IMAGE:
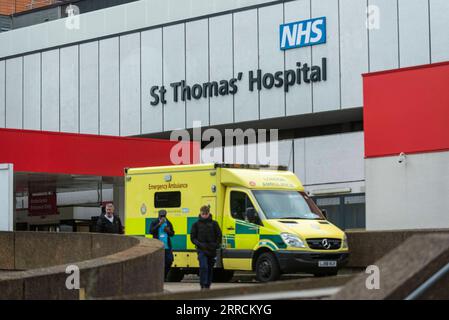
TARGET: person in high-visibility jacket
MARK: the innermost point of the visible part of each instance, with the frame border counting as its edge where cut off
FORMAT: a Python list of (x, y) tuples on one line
[(162, 229)]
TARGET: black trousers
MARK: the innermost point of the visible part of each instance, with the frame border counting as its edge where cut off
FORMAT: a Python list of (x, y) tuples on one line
[(168, 260)]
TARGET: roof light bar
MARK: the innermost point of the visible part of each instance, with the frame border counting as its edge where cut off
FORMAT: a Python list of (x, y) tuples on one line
[(250, 166)]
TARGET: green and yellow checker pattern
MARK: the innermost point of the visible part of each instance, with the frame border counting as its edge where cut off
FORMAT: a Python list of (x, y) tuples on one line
[(181, 225), (250, 236)]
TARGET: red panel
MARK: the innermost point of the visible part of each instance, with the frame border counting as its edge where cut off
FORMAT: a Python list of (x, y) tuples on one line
[(48, 152), (407, 110)]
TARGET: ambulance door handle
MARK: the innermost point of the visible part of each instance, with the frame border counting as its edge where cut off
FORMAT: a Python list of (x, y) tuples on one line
[(231, 228)]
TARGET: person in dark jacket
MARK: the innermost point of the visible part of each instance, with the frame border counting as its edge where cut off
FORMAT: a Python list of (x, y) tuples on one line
[(162, 229), (109, 222), (206, 236)]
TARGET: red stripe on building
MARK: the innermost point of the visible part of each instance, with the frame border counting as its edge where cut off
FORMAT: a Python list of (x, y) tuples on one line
[(406, 110), (65, 153)]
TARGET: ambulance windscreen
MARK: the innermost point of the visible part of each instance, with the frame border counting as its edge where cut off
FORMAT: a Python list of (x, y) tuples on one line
[(277, 204)]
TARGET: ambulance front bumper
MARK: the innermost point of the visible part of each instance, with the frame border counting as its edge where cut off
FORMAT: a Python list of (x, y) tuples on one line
[(309, 262)]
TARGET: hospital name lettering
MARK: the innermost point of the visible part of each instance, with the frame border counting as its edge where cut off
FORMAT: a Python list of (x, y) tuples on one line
[(257, 80)]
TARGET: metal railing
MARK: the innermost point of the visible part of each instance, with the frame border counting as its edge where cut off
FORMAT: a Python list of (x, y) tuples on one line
[(418, 292)]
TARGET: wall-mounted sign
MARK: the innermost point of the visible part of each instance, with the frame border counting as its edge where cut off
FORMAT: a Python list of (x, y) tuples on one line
[(257, 80), (42, 205), (302, 33)]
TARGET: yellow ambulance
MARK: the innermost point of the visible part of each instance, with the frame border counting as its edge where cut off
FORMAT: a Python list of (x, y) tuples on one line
[(269, 224)]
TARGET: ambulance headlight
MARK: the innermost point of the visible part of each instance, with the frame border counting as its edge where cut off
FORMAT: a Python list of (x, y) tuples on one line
[(292, 240), (345, 242)]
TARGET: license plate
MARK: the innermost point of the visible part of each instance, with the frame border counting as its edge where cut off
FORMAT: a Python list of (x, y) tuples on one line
[(327, 264)]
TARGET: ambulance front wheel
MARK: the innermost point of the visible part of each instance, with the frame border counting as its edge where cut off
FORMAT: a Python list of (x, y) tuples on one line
[(267, 268), (175, 275)]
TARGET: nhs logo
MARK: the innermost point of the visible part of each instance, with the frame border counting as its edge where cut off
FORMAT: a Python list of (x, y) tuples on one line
[(302, 33)]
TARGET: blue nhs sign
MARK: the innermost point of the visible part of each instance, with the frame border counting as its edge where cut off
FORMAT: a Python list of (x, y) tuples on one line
[(302, 33)]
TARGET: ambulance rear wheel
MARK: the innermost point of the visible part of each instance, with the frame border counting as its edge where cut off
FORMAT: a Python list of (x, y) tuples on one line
[(267, 268), (221, 275), (175, 275)]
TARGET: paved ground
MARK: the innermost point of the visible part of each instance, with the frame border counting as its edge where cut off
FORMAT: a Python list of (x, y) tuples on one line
[(191, 282)]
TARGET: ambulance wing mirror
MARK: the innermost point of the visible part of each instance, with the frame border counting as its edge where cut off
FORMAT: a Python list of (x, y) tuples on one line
[(324, 212)]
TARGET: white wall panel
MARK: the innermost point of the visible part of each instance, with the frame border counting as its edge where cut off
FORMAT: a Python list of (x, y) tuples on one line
[(285, 156), (383, 35), (197, 69), (69, 89), (271, 59), (151, 76), (50, 90), (246, 103), (14, 103), (130, 85), (174, 71), (353, 51), (212, 154), (2, 94), (439, 26), (300, 159), (32, 91), (414, 47), (399, 196), (89, 88), (221, 67), (6, 197), (326, 94), (298, 98), (109, 87), (334, 158)]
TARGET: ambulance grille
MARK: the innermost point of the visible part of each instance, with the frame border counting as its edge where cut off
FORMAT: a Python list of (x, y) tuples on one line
[(324, 244)]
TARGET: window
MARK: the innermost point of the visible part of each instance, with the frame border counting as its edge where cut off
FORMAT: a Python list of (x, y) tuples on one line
[(277, 204), (347, 211), (240, 203), (167, 199)]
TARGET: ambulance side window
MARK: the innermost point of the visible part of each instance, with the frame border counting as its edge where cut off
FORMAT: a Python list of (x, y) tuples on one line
[(167, 199), (240, 202)]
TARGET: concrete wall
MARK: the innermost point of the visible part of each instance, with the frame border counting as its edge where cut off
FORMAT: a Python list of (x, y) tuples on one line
[(103, 85), (412, 194), (109, 265), (6, 197), (367, 247)]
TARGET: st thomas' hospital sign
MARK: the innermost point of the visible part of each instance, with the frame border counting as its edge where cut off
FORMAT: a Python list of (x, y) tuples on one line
[(291, 35)]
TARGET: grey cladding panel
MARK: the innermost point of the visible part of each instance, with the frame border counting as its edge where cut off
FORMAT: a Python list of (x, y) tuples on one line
[(383, 35), (326, 94), (130, 85), (151, 76), (272, 101), (14, 105), (439, 26), (32, 91), (353, 51), (414, 32), (69, 89), (109, 87), (246, 105), (174, 72), (197, 70), (221, 59), (50, 90), (299, 98), (2, 94), (89, 88)]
